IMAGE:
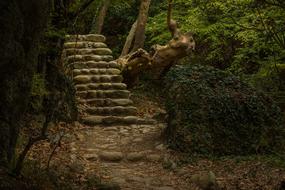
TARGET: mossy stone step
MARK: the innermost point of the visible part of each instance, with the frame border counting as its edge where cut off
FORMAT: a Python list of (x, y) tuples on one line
[(88, 37), (92, 71), (88, 51), (80, 45), (84, 79), (91, 94), (98, 82), (101, 86), (84, 58), (93, 64), (109, 120), (106, 102), (115, 111), (115, 120)]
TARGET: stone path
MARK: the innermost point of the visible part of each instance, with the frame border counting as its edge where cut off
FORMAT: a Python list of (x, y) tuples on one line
[(134, 157)]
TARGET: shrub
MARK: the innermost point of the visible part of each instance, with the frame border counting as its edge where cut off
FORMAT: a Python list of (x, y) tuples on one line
[(213, 112)]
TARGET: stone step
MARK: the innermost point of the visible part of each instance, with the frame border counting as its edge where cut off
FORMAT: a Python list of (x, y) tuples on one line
[(114, 120), (106, 102), (97, 94), (80, 44), (115, 111), (88, 37), (109, 120), (103, 71), (84, 79), (101, 86), (88, 51), (84, 58), (93, 64)]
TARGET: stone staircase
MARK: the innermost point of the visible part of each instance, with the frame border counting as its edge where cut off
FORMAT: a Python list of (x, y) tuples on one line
[(101, 96)]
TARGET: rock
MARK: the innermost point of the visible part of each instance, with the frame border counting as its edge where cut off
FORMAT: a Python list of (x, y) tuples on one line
[(103, 51), (160, 147), (84, 45), (81, 87), (169, 164), (111, 156), (92, 120), (121, 102), (124, 132), (205, 180), (182, 172), (76, 72), (91, 157), (89, 37), (111, 129), (119, 180), (138, 140), (145, 130), (119, 120), (82, 79), (79, 137), (136, 179), (160, 115), (104, 146), (107, 58), (135, 156), (126, 141), (95, 38), (154, 157), (146, 121), (81, 94)]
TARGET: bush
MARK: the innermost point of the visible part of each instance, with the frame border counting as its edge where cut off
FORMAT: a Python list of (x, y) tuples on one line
[(213, 112)]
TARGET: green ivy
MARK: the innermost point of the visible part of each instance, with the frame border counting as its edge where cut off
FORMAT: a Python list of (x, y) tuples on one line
[(214, 112)]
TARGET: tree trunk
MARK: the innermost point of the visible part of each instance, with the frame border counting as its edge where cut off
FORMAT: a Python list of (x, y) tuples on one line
[(97, 28), (129, 40), (22, 25), (141, 24)]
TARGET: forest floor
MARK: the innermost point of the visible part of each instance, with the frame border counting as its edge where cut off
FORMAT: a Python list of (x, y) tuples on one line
[(136, 158)]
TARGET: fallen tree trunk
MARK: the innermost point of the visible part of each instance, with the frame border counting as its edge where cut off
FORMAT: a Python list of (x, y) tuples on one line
[(159, 60)]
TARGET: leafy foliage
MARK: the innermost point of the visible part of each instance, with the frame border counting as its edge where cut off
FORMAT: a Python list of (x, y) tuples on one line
[(240, 35), (213, 112)]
